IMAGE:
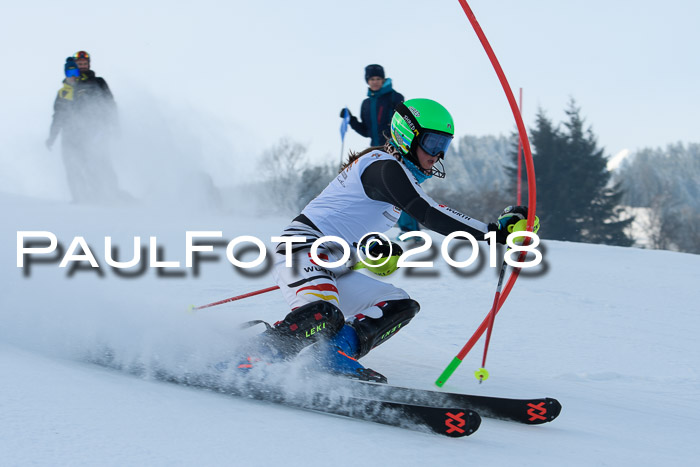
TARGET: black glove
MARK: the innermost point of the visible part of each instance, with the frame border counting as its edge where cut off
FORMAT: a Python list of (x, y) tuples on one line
[(381, 250), (342, 113), (378, 247), (501, 235), (509, 217)]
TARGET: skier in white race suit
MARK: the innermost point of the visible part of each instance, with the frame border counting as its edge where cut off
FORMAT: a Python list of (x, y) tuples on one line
[(341, 310)]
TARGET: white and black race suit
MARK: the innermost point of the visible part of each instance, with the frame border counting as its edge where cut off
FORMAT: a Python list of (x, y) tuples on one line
[(367, 196)]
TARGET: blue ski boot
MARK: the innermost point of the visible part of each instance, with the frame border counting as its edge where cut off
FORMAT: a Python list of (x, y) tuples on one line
[(362, 333), (337, 357)]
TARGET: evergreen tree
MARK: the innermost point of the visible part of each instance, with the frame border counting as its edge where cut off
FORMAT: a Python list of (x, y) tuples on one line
[(575, 201)]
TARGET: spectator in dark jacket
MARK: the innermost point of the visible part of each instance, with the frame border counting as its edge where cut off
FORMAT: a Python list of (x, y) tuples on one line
[(377, 109), (85, 117), (376, 113)]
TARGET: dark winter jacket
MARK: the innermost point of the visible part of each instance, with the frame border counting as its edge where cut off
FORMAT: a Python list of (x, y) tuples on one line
[(83, 108), (95, 86), (376, 113)]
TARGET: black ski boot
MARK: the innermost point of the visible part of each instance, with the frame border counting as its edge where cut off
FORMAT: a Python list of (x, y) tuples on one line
[(372, 332), (299, 329)]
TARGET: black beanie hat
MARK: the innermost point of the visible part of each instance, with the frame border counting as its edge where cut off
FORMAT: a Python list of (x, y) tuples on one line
[(373, 70)]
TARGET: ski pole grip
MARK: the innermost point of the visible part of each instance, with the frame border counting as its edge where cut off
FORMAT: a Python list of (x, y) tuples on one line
[(448, 372)]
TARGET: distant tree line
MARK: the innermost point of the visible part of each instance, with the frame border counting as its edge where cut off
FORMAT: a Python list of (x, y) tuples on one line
[(667, 183)]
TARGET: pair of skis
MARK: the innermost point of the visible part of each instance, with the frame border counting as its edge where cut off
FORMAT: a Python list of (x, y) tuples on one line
[(448, 414)]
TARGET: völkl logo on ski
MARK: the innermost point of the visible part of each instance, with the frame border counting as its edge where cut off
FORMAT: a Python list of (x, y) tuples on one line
[(539, 408), (455, 418)]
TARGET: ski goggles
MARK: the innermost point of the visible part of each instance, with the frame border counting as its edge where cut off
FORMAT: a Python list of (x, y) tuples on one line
[(72, 72), (435, 144), (81, 54)]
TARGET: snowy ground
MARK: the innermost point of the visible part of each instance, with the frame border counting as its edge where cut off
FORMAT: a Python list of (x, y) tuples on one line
[(610, 332)]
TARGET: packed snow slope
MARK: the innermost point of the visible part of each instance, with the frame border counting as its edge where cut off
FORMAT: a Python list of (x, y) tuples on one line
[(610, 332)]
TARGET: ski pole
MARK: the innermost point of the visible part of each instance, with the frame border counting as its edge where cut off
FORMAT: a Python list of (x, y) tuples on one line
[(482, 373), (233, 299), (343, 130)]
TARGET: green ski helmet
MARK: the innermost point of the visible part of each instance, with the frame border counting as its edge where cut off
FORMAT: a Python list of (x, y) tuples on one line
[(424, 123)]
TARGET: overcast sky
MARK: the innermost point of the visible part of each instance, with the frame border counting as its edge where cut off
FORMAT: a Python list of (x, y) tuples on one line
[(248, 73)]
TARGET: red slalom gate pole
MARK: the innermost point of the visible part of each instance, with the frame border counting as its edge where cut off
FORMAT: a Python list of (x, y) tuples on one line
[(500, 298), (233, 299), (520, 164)]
